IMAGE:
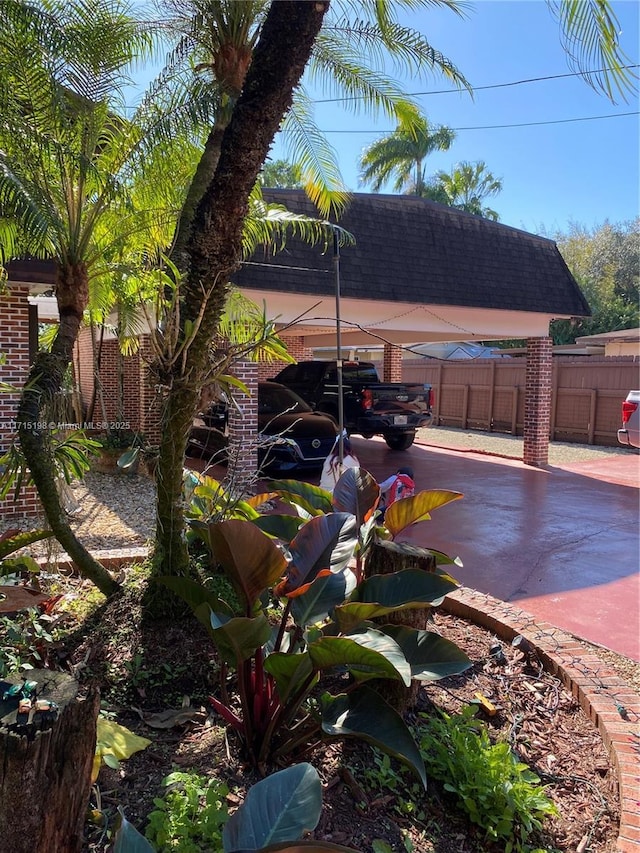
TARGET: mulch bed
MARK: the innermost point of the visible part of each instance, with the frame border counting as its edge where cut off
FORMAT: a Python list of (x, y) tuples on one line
[(143, 669)]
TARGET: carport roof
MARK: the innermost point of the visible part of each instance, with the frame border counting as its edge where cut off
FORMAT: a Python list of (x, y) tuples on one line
[(411, 250)]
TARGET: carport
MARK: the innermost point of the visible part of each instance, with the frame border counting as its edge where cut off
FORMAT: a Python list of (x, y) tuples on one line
[(419, 272)]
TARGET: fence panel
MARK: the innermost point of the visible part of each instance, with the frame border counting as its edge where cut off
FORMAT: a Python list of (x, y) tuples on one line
[(489, 394)]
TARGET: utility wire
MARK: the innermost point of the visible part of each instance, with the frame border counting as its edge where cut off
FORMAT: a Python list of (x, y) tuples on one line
[(498, 126), (488, 86), (474, 88)]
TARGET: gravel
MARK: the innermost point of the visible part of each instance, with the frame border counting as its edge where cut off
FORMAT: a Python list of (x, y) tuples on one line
[(499, 444)]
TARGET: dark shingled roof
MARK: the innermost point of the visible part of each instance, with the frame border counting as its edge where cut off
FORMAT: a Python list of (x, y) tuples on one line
[(412, 250)]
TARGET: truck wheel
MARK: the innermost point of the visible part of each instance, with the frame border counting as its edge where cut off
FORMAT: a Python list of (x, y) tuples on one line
[(400, 441)]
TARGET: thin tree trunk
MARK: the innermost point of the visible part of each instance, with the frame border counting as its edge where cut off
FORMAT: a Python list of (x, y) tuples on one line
[(44, 381), (215, 242)]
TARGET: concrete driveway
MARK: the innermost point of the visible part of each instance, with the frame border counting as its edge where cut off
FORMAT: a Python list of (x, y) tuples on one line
[(561, 542)]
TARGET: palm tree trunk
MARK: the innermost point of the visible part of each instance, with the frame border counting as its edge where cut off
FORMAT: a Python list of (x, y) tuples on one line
[(203, 176), (215, 241), (44, 381)]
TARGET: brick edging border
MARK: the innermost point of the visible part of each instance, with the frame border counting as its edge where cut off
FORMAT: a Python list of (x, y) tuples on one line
[(598, 689), (609, 702)]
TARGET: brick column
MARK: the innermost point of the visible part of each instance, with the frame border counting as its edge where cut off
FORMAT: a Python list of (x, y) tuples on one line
[(243, 431), (537, 404), (14, 347), (392, 364)]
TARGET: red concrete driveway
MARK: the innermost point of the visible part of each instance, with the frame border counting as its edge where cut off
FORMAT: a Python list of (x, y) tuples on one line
[(561, 542)]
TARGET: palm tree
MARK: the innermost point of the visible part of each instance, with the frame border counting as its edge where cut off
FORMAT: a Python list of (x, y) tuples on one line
[(400, 156), (63, 155), (335, 53), (466, 187)]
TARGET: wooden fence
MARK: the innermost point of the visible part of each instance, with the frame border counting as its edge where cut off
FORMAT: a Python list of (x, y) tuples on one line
[(488, 394)]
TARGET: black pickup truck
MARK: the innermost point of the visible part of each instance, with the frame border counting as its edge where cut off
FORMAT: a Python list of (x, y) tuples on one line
[(393, 410)]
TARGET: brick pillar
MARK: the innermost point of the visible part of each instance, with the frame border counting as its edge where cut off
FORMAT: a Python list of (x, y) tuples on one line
[(537, 404), (296, 347), (392, 364), (14, 347), (243, 431)]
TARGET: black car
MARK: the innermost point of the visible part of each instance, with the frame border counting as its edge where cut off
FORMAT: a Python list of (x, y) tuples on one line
[(290, 434)]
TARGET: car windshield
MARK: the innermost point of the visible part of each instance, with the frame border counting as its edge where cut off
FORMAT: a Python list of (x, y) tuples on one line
[(275, 399)]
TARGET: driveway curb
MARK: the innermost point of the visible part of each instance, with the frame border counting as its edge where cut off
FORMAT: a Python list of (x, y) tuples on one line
[(610, 703)]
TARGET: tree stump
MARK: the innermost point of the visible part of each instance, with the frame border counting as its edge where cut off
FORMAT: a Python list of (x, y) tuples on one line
[(45, 769), (386, 557)]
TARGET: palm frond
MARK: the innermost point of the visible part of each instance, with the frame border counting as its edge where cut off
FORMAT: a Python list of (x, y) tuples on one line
[(318, 162), (590, 34)]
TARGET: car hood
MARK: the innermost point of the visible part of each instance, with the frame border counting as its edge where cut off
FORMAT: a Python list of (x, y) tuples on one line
[(300, 425)]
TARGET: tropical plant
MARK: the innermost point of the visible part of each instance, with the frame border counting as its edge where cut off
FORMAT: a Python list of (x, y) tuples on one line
[(275, 814), (306, 613), (223, 35), (400, 156), (466, 187), (499, 793), (63, 158), (24, 633), (59, 63)]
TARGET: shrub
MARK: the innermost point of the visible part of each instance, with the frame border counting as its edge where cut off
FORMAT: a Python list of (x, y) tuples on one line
[(499, 793)]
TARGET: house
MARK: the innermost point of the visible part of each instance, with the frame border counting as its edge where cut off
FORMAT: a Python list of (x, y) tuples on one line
[(419, 272)]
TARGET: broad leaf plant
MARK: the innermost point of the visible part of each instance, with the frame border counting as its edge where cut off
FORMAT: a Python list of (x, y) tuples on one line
[(303, 658)]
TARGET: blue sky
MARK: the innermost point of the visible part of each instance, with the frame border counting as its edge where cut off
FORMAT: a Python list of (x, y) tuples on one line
[(583, 171)]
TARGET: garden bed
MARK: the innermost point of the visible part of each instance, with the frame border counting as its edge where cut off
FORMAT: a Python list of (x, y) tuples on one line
[(144, 669)]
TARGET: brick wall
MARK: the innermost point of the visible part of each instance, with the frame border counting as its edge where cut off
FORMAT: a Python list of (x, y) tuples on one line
[(392, 364), (14, 345), (128, 393), (537, 407)]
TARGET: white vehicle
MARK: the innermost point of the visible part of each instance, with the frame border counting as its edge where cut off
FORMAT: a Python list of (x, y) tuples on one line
[(630, 432)]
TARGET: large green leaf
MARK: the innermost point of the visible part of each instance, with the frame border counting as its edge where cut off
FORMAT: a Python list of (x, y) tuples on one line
[(196, 595), (282, 527), (380, 595), (364, 714), (237, 639), (405, 587), (312, 499), (356, 492), (324, 542), (280, 808), (129, 840), (289, 671), (13, 540), (366, 654), (323, 595), (430, 656), (252, 561), (408, 511)]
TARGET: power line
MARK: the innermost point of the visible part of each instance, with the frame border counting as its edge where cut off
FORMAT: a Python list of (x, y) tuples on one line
[(488, 86), (500, 126)]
